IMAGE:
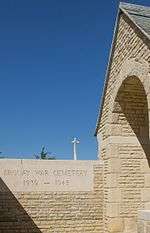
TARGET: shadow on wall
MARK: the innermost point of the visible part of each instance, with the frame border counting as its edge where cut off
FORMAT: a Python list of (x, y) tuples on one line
[(13, 217), (133, 102)]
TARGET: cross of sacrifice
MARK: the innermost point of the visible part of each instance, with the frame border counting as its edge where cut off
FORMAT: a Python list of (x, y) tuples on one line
[(75, 142)]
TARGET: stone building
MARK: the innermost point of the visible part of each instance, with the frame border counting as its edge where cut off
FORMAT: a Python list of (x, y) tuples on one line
[(111, 195), (123, 125)]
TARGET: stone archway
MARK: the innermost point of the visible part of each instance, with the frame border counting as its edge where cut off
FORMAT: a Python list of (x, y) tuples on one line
[(130, 113), (127, 159)]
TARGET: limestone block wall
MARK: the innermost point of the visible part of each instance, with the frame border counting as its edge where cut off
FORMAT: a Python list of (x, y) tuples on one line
[(124, 130), (29, 204), (129, 45)]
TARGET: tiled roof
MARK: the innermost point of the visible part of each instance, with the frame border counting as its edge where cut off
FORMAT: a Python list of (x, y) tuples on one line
[(139, 14)]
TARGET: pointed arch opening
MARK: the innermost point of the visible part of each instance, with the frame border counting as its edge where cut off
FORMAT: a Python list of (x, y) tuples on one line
[(129, 138), (131, 111)]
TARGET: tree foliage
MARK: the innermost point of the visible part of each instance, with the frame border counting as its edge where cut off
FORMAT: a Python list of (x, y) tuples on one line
[(44, 154)]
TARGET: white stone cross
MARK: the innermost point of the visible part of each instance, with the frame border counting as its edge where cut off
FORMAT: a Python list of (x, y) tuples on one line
[(75, 142)]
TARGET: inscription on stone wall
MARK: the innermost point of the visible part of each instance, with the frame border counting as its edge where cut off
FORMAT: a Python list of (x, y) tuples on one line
[(38, 175)]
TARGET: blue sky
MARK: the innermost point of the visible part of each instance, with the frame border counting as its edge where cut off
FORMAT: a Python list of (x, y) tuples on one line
[(53, 57)]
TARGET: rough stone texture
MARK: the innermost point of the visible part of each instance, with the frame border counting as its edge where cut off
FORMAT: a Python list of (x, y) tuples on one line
[(53, 212), (122, 184), (123, 131)]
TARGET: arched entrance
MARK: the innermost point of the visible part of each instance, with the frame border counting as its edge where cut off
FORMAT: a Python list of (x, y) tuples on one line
[(131, 110), (128, 157)]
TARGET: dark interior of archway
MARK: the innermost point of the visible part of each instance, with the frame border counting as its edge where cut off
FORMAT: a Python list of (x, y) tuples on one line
[(132, 109)]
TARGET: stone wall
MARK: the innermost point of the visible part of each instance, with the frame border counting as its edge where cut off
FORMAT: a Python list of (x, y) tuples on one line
[(123, 132), (28, 203), (129, 46)]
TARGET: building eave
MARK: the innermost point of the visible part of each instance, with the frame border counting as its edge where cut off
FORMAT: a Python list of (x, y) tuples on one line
[(107, 71), (146, 37)]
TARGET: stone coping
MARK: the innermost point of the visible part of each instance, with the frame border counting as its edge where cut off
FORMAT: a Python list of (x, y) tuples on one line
[(54, 160)]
